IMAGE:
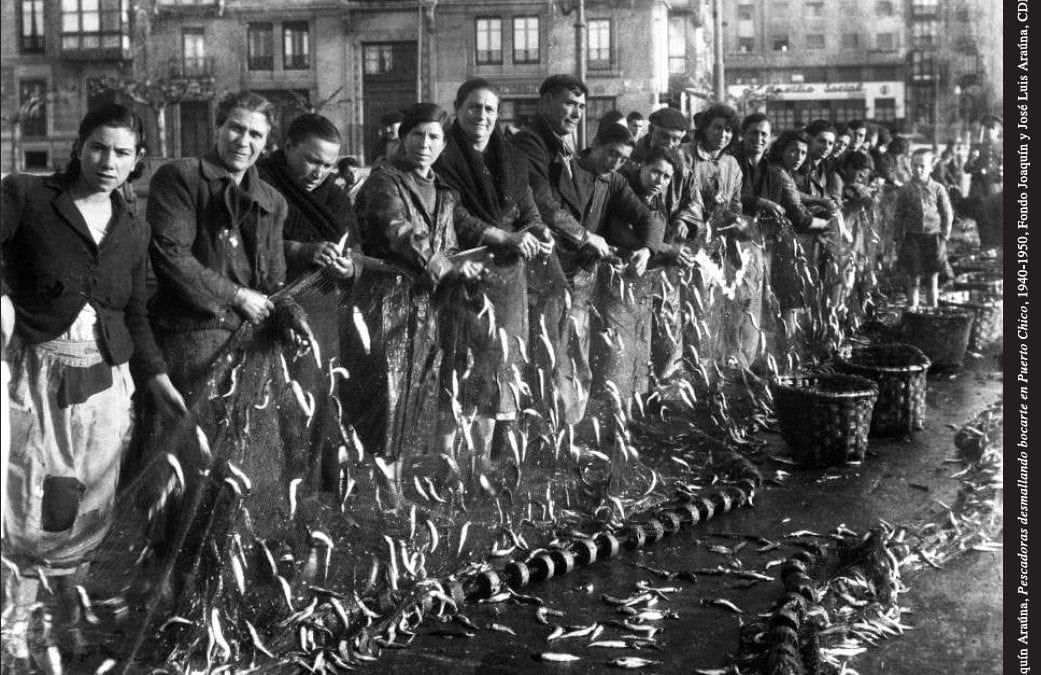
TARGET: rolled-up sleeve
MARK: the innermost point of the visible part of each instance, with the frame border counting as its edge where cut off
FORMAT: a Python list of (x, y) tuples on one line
[(173, 218)]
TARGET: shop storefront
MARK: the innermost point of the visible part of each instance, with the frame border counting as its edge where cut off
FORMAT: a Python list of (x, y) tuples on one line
[(787, 104)]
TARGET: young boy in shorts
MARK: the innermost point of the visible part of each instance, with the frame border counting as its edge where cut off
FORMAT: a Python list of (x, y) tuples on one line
[(923, 224)]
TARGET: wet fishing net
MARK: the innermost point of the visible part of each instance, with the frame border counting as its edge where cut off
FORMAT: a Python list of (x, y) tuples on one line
[(317, 503)]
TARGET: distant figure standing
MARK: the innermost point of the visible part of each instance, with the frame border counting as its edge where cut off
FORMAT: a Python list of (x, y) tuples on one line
[(923, 224)]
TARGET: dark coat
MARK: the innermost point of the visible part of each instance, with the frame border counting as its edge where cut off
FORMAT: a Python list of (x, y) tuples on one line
[(681, 202), (210, 236), (550, 182), (394, 381), (52, 268), (323, 214)]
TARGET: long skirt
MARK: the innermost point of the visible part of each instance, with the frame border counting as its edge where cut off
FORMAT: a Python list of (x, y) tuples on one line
[(389, 345), (484, 333), (70, 423), (621, 347)]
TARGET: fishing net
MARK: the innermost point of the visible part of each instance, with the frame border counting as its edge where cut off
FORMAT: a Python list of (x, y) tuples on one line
[(310, 507)]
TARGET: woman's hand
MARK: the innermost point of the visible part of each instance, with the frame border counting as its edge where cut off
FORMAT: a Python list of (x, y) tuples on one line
[(167, 399), (323, 253), (527, 245), (468, 270), (545, 239), (253, 305), (638, 261), (768, 207), (684, 256)]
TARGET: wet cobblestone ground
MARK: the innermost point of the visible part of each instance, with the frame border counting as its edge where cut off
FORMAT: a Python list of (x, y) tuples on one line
[(956, 611)]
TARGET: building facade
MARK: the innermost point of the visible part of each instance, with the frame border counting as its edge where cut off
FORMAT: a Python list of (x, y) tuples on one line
[(928, 68), (351, 60), (800, 61)]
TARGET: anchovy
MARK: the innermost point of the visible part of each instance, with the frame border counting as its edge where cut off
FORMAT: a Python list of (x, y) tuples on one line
[(633, 662), (557, 657), (362, 328), (725, 604)]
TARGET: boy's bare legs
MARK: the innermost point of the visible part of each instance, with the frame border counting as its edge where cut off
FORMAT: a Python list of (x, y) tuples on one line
[(912, 291), (932, 294)]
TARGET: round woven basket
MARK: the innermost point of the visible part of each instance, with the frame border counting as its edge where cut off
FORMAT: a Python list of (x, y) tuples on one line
[(825, 418), (988, 313), (942, 333), (900, 370)]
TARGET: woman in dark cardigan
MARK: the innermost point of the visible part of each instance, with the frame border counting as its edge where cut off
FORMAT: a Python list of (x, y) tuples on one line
[(496, 210), (73, 259)]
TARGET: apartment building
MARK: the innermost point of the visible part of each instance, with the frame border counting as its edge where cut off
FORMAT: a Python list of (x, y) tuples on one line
[(351, 60)]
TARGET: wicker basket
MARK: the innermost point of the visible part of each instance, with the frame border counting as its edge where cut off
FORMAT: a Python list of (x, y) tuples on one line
[(900, 372), (942, 333), (825, 418), (988, 313)]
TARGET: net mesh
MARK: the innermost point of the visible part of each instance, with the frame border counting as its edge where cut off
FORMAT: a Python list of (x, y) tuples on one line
[(309, 499)]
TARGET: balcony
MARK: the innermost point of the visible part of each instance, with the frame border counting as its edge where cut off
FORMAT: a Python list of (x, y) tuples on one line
[(192, 8), (96, 46), (192, 67)]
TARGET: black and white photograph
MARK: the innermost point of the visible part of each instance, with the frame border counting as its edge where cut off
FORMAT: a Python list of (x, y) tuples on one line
[(515, 336)]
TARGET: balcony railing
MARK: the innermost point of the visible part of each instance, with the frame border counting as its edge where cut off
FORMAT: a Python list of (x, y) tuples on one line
[(32, 44), (98, 46), (190, 7), (194, 66)]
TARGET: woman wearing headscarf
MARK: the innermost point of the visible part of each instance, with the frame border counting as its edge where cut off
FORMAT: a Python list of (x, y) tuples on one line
[(496, 210), (74, 262), (405, 216)]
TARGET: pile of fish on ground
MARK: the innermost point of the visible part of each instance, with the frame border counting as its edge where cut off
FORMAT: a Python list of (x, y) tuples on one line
[(841, 599)]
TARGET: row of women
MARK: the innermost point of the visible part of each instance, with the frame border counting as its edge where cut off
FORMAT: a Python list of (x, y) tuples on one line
[(473, 275)]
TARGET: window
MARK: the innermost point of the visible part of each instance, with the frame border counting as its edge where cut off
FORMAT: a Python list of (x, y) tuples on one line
[(850, 40), (32, 99), (745, 12), (260, 46), (32, 25), (525, 39), (193, 51), (782, 116), (489, 41), (517, 112), (815, 41), (922, 66), (779, 43), (599, 54), (378, 59), (923, 34), (296, 45), (924, 7), (596, 106), (94, 24), (884, 8), (815, 9), (885, 109), (745, 45), (677, 45), (922, 102), (886, 42), (37, 160)]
